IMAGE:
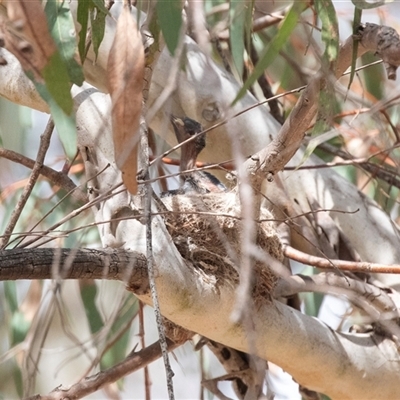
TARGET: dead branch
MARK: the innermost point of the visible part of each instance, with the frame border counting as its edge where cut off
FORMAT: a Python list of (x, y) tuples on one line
[(91, 384), (382, 40), (342, 265), (111, 264), (57, 178), (44, 145)]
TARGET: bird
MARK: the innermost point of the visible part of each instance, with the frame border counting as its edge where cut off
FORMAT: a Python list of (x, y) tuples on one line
[(195, 181)]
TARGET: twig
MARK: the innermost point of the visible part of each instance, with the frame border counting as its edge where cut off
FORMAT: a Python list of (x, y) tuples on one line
[(342, 265), (147, 381), (93, 383), (375, 302), (389, 176), (150, 266), (44, 145), (274, 157), (329, 282), (57, 178)]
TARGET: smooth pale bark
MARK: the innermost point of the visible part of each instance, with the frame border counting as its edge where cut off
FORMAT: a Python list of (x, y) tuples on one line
[(316, 356), (342, 366), (206, 90)]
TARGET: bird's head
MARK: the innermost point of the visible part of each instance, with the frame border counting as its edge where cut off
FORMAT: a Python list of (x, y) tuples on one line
[(186, 128)]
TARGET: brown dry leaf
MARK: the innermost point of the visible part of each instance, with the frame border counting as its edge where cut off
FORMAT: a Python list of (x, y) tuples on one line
[(28, 36), (125, 73)]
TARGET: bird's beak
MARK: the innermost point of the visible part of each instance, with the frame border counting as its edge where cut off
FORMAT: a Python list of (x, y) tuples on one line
[(179, 128)]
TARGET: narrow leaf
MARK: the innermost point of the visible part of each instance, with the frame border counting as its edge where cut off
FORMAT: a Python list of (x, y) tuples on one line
[(88, 291), (316, 141), (56, 77), (61, 24), (100, 6), (125, 72), (82, 18), (356, 24), (237, 14), (330, 30), (64, 123), (269, 54), (169, 14), (98, 24)]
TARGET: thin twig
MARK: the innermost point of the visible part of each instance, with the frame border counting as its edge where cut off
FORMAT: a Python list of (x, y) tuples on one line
[(147, 381), (55, 177), (92, 384), (342, 265), (44, 145), (151, 267)]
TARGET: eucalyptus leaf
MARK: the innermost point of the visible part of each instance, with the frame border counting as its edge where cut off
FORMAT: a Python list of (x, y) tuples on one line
[(356, 24), (56, 77), (276, 44), (330, 30), (88, 292), (100, 6), (98, 24), (61, 24), (64, 123), (237, 14), (316, 141), (169, 13), (82, 18)]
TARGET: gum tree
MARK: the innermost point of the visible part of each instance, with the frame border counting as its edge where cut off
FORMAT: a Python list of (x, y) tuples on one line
[(216, 265)]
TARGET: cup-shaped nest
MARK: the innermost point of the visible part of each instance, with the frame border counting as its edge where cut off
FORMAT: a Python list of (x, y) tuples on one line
[(207, 231)]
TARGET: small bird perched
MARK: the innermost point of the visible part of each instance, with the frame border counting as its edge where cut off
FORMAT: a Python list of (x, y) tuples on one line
[(195, 181)]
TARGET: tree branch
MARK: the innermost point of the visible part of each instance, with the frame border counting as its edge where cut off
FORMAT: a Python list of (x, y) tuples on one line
[(382, 40), (283, 335), (55, 177), (91, 384), (111, 264), (343, 265)]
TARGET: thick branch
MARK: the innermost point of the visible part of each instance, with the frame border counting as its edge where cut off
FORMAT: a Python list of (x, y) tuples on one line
[(284, 336), (112, 264)]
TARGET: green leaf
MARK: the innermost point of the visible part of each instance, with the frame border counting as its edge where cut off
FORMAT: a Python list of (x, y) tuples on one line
[(10, 292), (269, 54), (169, 14), (98, 24), (330, 30), (316, 141), (82, 18), (126, 315), (374, 76), (20, 327), (88, 291), (356, 24), (64, 123), (100, 6), (56, 77), (237, 13), (364, 5), (61, 24), (19, 324)]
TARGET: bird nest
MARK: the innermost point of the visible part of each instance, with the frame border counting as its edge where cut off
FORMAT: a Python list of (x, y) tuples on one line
[(206, 229)]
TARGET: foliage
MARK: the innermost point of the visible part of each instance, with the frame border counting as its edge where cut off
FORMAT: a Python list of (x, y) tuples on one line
[(352, 122)]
